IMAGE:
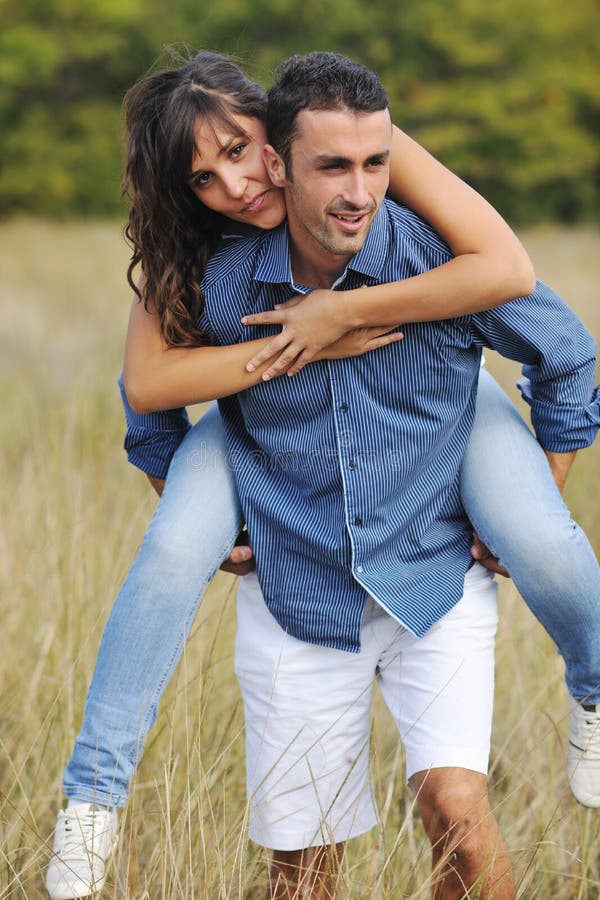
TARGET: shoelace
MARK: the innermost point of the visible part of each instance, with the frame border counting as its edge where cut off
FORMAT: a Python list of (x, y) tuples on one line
[(78, 834), (588, 733)]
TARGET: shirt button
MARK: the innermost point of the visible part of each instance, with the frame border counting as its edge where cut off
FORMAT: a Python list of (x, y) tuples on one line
[(353, 464), (358, 520), (344, 407), (359, 569)]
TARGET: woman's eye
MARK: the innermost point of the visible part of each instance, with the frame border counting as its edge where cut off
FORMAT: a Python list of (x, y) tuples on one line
[(201, 180), (238, 150)]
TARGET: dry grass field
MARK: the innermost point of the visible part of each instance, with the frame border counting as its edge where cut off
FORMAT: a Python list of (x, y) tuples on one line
[(72, 515)]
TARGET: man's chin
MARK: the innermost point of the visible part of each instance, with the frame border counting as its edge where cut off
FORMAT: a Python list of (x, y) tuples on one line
[(346, 244), (350, 246)]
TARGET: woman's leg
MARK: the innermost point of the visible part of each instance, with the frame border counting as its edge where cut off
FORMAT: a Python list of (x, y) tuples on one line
[(515, 507), (192, 531)]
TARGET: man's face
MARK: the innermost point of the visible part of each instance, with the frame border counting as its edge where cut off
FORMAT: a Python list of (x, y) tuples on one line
[(338, 179)]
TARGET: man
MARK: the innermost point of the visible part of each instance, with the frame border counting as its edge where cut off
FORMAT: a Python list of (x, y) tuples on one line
[(351, 499)]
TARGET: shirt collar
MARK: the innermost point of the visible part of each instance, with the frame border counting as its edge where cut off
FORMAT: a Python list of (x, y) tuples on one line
[(370, 259), (274, 264)]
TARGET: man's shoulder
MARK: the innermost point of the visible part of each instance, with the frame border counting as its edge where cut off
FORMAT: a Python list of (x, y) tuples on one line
[(234, 259), (407, 225)]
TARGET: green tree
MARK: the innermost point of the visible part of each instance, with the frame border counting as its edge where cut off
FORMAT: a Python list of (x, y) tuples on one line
[(63, 69), (505, 94)]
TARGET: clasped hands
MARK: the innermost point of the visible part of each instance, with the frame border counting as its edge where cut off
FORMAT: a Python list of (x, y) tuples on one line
[(314, 326)]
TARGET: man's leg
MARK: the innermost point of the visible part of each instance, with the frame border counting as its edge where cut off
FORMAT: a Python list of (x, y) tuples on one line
[(440, 690), (307, 720), (468, 850), (313, 872)]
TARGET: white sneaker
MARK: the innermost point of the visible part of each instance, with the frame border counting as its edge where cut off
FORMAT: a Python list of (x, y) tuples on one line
[(84, 840), (583, 752)]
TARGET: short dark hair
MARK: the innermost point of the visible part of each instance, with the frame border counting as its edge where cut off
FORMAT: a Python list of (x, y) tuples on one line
[(318, 80)]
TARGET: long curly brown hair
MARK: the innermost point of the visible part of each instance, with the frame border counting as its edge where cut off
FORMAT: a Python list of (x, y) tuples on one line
[(171, 232)]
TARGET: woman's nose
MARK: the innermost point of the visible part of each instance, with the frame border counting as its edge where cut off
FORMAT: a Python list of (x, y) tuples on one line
[(235, 184)]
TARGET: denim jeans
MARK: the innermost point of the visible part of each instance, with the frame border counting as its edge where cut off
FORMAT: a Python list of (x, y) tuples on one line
[(517, 510), (192, 531), (509, 495)]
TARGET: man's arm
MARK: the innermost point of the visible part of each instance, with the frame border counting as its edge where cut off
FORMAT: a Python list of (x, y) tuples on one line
[(152, 439), (158, 484), (560, 465), (559, 357)]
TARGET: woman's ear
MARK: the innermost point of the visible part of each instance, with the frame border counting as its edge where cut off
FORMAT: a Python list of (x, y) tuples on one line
[(275, 166)]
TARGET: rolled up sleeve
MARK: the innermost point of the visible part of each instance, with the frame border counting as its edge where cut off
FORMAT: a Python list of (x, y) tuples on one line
[(559, 357), (562, 428), (152, 438)]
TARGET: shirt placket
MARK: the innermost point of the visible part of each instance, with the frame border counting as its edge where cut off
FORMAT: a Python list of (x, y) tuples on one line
[(351, 460)]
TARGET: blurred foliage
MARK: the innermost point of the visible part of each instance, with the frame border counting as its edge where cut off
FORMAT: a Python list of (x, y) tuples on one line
[(505, 94)]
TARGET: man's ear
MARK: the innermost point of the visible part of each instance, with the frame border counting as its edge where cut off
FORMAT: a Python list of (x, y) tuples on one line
[(275, 166)]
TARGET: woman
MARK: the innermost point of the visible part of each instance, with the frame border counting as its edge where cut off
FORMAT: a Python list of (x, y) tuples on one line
[(195, 133)]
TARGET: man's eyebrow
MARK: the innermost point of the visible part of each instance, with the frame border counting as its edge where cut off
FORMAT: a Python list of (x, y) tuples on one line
[(325, 159)]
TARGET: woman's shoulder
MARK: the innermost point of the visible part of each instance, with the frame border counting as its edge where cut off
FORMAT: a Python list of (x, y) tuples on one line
[(232, 256)]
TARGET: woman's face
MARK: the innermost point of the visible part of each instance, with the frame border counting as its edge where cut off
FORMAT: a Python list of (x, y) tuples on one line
[(229, 174)]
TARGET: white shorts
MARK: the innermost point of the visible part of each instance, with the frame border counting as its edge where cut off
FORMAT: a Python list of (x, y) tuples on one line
[(307, 711)]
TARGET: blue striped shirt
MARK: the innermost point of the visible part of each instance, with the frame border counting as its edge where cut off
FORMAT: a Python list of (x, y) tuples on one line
[(348, 472)]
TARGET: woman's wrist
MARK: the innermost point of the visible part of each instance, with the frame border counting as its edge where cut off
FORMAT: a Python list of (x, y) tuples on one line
[(356, 307)]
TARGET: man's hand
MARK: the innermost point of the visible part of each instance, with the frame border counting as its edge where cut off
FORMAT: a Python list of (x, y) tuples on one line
[(241, 559), (483, 555)]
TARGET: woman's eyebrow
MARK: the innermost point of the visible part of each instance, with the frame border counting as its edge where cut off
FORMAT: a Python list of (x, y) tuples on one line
[(223, 150)]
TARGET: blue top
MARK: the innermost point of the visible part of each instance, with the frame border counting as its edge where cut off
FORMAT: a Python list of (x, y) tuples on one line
[(348, 472)]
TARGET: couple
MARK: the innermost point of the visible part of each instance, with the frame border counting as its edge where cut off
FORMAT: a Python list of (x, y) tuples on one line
[(348, 477)]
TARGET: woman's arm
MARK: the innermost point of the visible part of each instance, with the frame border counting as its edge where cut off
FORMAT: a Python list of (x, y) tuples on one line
[(157, 377), (160, 377), (490, 266)]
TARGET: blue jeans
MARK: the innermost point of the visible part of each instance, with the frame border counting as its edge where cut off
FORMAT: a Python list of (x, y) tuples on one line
[(517, 510), (510, 497)]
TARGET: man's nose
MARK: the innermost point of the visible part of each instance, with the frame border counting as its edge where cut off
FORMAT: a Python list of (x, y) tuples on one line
[(356, 192)]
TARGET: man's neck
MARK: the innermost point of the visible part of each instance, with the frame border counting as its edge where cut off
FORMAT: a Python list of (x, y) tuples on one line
[(314, 267)]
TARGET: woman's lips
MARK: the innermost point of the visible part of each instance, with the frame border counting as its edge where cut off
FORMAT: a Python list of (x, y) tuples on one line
[(257, 204)]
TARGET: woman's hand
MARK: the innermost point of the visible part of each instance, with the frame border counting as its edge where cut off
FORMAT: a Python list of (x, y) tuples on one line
[(309, 324), (359, 341)]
